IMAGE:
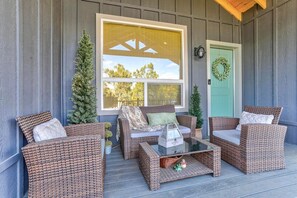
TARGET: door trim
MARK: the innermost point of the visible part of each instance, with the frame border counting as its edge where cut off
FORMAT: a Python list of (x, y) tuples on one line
[(237, 60)]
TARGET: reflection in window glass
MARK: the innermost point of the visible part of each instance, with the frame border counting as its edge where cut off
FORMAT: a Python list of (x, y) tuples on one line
[(141, 63), (134, 47), (116, 94), (160, 94)]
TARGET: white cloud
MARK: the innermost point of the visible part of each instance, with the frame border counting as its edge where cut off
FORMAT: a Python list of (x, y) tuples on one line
[(172, 65), (108, 64), (169, 75)]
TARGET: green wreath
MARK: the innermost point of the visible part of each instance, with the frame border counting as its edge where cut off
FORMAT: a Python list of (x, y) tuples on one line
[(227, 68)]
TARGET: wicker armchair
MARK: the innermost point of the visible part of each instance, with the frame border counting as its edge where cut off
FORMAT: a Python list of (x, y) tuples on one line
[(130, 146), (261, 146), (64, 167)]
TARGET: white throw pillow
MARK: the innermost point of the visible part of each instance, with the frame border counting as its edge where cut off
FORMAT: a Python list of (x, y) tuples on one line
[(252, 118), (49, 130)]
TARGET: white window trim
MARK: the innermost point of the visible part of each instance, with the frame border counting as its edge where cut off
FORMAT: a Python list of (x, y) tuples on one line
[(100, 19)]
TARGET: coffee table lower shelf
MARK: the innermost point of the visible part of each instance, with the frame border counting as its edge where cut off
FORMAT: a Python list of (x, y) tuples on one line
[(194, 168), (206, 162)]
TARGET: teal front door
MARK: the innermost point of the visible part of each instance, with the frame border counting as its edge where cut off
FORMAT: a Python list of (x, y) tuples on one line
[(222, 91)]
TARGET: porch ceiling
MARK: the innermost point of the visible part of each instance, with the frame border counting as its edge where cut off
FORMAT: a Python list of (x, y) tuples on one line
[(237, 7)]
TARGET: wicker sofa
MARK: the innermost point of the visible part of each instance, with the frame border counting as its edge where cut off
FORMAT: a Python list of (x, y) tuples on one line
[(73, 166), (260, 147), (130, 139)]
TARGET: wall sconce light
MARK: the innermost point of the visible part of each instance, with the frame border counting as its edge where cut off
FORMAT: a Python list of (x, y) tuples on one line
[(199, 51)]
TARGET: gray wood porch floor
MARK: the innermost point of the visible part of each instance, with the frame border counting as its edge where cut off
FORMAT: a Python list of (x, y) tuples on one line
[(124, 179)]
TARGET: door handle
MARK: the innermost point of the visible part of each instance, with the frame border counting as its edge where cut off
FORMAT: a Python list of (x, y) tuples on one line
[(209, 81)]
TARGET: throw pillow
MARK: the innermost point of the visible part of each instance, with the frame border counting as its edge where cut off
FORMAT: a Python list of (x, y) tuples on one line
[(252, 118), (136, 120), (49, 130), (161, 118), (134, 116)]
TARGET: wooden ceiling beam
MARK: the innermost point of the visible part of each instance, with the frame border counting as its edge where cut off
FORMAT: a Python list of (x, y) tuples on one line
[(244, 7), (262, 3), (230, 8), (237, 7)]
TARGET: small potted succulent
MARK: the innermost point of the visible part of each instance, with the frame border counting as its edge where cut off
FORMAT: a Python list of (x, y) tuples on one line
[(108, 134)]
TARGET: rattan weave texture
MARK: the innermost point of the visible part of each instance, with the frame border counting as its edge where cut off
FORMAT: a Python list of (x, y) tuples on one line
[(64, 167), (197, 164), (130, 146), (261, 145)]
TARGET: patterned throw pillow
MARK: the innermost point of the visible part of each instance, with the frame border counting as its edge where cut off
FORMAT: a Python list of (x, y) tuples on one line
[(252, 118), (49, 130), (135, 117), (136, 120)]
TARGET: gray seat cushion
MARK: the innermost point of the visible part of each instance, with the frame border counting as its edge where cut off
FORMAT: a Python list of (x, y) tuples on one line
[(232, 136), (140, 134)]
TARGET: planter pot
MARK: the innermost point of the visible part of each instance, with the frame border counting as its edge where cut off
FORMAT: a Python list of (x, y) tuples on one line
[(107, 150), (198, 133)]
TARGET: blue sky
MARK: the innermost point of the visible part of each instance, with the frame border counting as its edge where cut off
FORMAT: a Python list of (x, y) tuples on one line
[(164, 67)]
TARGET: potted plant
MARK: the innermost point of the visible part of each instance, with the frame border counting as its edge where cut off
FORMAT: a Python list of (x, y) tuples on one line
[(108, 134), (195, 110), (83, 89)]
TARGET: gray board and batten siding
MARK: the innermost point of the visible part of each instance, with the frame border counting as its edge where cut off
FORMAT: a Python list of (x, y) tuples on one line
[(269, 41), (205, 19), (38, 40), (30, 78)]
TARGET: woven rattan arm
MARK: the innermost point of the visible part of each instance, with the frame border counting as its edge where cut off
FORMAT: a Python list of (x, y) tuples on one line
[(149, 164), (125, 136), (86, 129), (262, 147), (187, 121), (211, 159), (255, 135), (65, 167)]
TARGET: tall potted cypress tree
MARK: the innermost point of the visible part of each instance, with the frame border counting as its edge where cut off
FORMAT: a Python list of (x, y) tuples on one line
[(195, 110), (83, 89)]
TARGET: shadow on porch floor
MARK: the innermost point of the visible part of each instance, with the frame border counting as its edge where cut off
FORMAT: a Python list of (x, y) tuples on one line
[(124, 179)]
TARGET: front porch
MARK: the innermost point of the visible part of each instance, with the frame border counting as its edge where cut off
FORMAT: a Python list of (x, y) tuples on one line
[(38, 44), (124, 179)]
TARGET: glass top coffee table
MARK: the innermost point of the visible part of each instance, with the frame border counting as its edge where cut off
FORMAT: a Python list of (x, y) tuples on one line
[(202, 158)]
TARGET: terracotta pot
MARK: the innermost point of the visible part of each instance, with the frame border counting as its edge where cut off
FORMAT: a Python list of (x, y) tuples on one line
[(198, 133), (167, 162)]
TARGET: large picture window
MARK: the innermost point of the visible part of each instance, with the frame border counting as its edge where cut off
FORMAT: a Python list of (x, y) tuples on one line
[(140, 62)]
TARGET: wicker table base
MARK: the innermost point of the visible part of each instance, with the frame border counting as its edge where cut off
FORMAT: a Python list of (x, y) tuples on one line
[(200, 163)]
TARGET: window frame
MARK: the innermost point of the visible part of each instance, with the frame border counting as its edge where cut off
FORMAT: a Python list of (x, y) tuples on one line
[(100, 19)]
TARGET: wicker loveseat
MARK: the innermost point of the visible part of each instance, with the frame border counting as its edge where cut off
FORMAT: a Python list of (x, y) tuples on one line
[(73, 166), (260, 147), (130, 139)]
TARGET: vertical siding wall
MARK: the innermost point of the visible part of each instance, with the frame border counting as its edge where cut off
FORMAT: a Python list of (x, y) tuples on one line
[(205, 19), (269, 39), (30, 77)]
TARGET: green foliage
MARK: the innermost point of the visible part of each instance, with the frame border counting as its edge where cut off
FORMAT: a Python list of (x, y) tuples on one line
[(215, 70), (83, 90), (127, 91), (195, 109), (146, 71), (107, 125), (108, 143), (122, 89), (177, 167), (108, 133)]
